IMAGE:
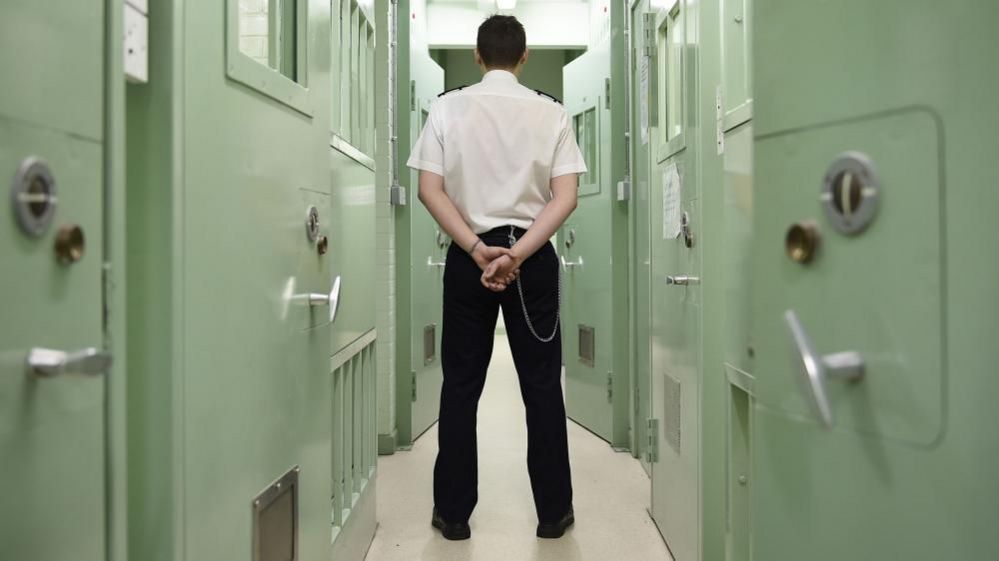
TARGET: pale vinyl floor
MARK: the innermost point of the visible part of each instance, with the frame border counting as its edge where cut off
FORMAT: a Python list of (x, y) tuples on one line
[(611, 494)]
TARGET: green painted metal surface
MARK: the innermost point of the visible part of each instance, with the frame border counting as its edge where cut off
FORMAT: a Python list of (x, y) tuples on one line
[(739, 351), (691, 63), (54, 433), (352, 247), (676, 309), (351, 255), (231, 382), (428, 250), (418, 298), (354, 449), (908, 470), (641, 235), (594, 245)]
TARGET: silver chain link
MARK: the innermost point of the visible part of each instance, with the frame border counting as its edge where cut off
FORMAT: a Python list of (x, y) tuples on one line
[(523, 303)]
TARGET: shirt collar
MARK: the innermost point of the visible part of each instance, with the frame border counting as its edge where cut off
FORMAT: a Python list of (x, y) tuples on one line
[(499, 77)]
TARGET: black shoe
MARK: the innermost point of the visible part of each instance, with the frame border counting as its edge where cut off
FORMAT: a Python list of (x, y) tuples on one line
[(557, 529), (456, 531)]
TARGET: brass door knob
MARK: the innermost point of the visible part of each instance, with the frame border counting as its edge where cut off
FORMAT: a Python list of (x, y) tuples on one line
[(802, 241), (70, 244)]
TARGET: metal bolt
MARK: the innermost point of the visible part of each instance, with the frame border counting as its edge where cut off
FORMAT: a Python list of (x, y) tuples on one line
[(743, 480)]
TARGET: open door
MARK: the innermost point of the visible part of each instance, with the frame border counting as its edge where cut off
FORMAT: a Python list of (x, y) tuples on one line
[(676, 310), (428, 250), (593, 248), (52, 364), (421, 250)]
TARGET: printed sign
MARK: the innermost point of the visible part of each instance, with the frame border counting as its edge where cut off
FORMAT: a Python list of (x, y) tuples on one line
[(672, 205)]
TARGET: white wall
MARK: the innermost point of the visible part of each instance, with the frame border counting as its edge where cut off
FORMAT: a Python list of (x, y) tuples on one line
[(563, 25)]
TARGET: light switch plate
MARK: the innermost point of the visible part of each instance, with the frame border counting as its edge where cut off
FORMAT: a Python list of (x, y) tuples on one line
[(136, 45)]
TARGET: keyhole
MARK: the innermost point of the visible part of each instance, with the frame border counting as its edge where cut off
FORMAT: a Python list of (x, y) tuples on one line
[(848, 190), (38, 196)]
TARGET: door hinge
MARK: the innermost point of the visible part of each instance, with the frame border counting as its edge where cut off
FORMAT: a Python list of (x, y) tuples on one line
[(610, 386), (413, 383), (136, 41), (652, 441), (720, 120), (607, 93), (649, 29), (624, 189), (397, 195), (412, 95)]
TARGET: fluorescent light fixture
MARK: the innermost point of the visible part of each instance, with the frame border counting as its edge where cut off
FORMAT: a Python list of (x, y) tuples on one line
[(663, 4), (506, 4)]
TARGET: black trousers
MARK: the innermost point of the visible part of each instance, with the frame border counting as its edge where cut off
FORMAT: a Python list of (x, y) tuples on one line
[(470, 312)]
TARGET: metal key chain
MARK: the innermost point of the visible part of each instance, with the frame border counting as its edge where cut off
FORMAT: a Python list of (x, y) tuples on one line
[(523, 303)]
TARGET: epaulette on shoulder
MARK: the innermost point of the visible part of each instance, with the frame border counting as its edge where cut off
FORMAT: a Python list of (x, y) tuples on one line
[(459, 88), (549, 96)]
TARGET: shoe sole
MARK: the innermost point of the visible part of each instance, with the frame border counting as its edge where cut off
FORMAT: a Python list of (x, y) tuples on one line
[(451, 536), (556, 532)]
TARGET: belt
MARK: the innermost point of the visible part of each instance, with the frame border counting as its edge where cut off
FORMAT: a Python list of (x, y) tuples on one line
[(502, 233)]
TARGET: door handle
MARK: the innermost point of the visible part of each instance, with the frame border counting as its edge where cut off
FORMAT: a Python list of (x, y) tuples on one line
[(432, 263), (332, 299), (50, 363), (816, 368), (567, 264), (682, 280)]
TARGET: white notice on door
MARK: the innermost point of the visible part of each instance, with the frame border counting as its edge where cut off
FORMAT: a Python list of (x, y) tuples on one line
[(672, 190)]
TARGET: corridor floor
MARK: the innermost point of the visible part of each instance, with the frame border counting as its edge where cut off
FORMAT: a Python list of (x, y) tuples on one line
[(611, 494)]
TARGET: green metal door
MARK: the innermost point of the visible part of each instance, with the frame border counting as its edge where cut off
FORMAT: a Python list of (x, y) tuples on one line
[(585, 239), (428, 249), (675, 287), (873, 424), (642, 166), (52, 416)]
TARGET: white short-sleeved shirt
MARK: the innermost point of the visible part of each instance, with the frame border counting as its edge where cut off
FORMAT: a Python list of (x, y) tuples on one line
[(498, 144)]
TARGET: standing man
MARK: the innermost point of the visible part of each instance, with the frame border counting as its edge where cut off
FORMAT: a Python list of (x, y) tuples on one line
[(499, 170)]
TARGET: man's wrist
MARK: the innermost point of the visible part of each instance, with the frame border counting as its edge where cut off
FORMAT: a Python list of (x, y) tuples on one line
[(471, 250), (516, 255)]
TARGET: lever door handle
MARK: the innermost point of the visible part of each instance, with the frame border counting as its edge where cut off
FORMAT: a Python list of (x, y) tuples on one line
[(567, 264), (432, 263), (682, 280), (332, 299), (51, 363), (817, 369)]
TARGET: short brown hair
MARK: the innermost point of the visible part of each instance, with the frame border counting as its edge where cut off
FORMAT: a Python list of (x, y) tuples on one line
[(502, 41)]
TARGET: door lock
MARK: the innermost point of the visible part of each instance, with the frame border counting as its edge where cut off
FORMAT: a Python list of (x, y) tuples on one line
[(850, 193), (312, 223), (432, 263), (688, 234), (34, 197)]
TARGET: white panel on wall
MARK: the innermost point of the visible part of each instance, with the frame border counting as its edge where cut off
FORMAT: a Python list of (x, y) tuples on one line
[(454, 25)]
